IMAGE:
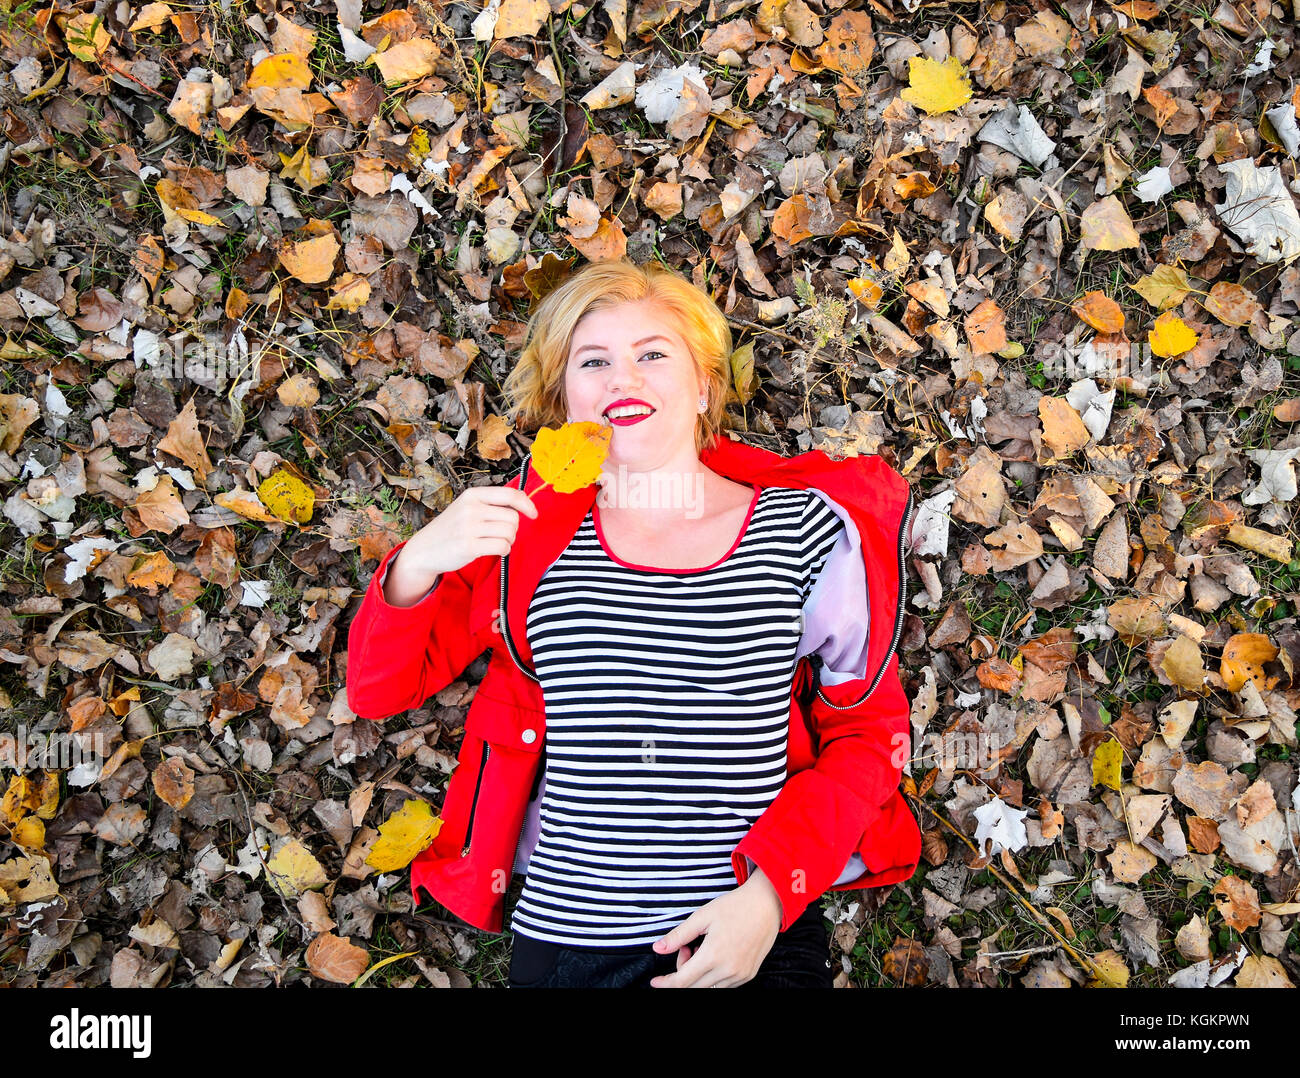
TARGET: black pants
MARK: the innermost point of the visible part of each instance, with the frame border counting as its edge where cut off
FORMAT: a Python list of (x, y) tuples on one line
[(800, 958)]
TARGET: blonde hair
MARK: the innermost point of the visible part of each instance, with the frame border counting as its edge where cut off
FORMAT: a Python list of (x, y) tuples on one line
[(535, 387)]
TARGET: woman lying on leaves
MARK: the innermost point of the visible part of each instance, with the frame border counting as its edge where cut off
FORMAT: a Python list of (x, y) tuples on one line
[(686, 734)]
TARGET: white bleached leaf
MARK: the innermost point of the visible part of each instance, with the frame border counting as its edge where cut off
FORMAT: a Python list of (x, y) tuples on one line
[(1263, 59), (1153, 184), (354, 47), (82, 553), (1259, 210), (617, 88), (1282, 117), (1094, 406), (183, 476), (56, 404), (930, 525), (1276, 476), (1015, 129), (660, 98), (1003, 824), (146, 348), (256, 592), (401, 183), (146, 479), (34, 306), (486, 21)]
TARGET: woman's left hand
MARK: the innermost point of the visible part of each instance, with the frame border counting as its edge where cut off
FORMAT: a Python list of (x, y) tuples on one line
[(739, 929)]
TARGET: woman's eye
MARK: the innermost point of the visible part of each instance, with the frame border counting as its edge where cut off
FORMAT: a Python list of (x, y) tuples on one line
[(597, 359)]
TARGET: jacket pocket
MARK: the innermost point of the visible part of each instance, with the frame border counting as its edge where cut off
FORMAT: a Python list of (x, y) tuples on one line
[(506, 732)]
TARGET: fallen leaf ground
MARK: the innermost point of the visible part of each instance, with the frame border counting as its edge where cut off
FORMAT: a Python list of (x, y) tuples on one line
[(263, 269)]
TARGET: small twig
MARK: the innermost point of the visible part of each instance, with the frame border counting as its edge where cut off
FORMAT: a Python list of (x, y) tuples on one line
[(1082, 959)]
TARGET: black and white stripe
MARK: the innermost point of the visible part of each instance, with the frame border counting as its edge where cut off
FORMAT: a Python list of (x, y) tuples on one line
[(667, 706)]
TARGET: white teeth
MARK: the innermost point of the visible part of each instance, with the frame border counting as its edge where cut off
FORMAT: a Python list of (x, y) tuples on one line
[(627, 410)]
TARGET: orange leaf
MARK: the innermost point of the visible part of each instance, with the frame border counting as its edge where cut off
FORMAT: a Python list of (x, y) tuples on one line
[(986, 328), (1100, 311), (1244, 656)]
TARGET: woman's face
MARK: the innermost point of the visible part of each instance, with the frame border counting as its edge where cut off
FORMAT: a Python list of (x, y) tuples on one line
[(631, 354)]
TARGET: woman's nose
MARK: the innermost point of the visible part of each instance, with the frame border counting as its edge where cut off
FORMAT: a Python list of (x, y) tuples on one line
[(623, 373)]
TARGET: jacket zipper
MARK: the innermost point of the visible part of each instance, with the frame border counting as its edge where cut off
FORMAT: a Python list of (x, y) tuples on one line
[(478, 785), (898, 617), (505, 622)]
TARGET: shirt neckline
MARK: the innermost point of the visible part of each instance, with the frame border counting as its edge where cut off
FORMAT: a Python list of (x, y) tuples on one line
[(744, 527)]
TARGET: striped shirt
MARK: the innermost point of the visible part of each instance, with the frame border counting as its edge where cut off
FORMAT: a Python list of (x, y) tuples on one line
[(667, 695)]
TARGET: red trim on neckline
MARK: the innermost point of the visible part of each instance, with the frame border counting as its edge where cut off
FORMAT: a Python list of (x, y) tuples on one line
[(600, 534)]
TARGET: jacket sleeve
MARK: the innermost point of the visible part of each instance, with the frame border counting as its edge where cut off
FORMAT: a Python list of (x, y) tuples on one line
[(400, 656), (806, 840)]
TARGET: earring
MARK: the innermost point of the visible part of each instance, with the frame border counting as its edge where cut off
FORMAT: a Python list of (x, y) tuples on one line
[(704, 404)]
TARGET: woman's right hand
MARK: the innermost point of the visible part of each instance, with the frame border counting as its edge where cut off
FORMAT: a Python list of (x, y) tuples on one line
[(481, 520)]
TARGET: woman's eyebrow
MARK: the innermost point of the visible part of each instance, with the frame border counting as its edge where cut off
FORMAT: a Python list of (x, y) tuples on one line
[(643, 340)]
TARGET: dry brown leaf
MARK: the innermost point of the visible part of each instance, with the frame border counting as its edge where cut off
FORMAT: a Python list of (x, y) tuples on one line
[(338, 960), (1063, 429), (161, 509), (184, 442), (173, 781), (1106, 226), (1237, 902)]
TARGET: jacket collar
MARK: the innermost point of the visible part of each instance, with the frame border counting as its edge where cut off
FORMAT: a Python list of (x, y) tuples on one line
[(877, 498)]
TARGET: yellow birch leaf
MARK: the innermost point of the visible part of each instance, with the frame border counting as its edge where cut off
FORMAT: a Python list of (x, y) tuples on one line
[(295, 870), (521, 18), (1111, 970), (936, 87), (1171, 336), (151, 17), (570, 458), (310, 261), (1163, 287), (30, 833), (407, 60), (306, 171), (402, 836), (350, 292), (287, 496), (285, 71), (1106, 761)]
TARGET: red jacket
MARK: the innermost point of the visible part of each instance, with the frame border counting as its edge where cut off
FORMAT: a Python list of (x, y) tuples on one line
[(847, 741)]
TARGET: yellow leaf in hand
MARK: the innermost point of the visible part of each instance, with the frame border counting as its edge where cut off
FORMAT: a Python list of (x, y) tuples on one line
[(570, 458), (287, 496), (936, 87), (403, 835)]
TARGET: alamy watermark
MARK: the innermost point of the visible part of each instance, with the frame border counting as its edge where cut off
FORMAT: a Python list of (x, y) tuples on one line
[(1099, 359), (31, 750), (621, 489), (205, 359)]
